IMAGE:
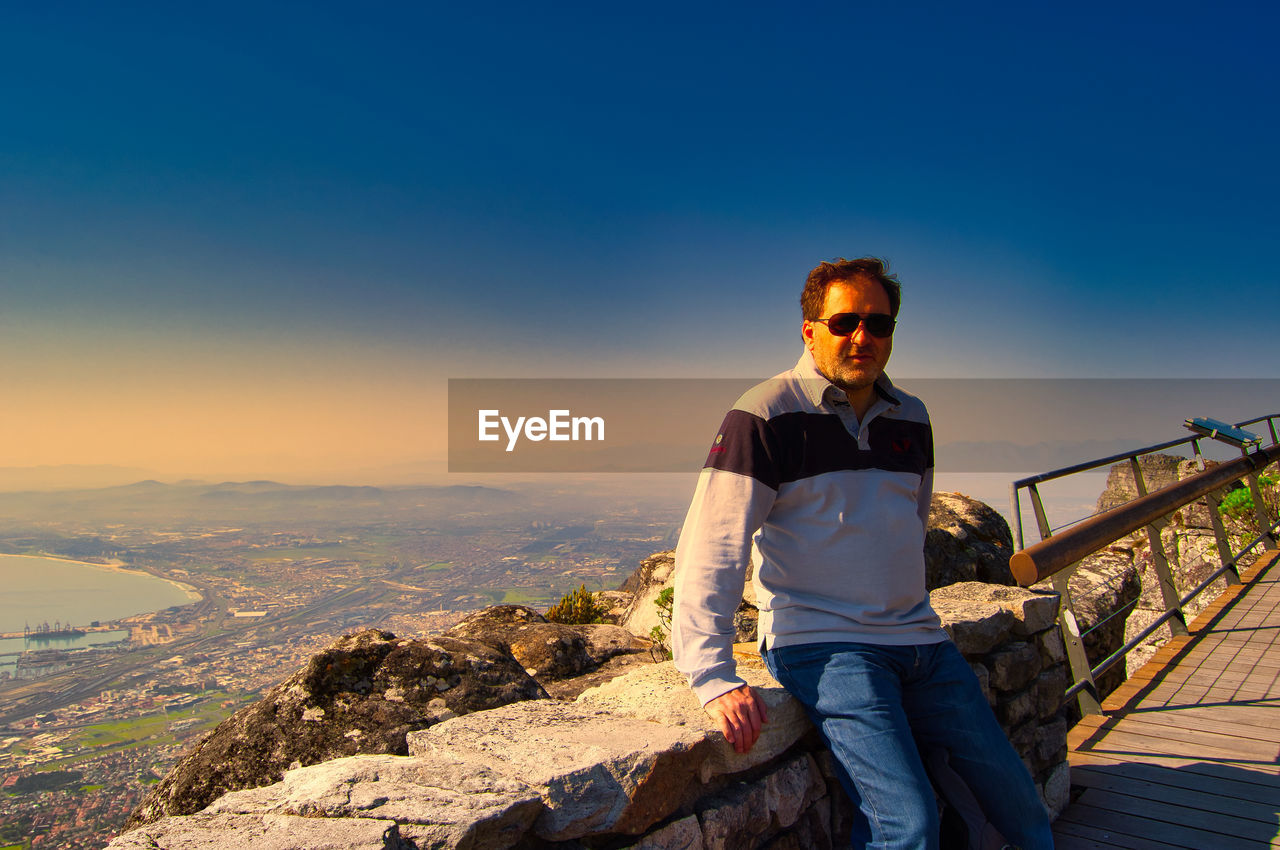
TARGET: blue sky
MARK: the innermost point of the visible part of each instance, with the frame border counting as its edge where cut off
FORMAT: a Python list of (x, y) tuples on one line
[(300, 220)]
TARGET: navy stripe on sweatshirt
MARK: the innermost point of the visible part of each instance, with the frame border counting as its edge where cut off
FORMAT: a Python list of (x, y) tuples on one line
[(794, 446)]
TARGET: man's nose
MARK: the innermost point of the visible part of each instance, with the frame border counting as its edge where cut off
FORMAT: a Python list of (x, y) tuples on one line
[(860, 335)]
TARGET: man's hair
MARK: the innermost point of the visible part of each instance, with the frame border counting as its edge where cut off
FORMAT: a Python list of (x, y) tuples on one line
[(841, 270)]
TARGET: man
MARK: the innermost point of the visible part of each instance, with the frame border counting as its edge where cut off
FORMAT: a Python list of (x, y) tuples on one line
[(824, 474)]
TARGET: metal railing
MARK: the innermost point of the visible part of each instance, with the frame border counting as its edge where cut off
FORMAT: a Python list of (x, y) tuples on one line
[(1056, 556)]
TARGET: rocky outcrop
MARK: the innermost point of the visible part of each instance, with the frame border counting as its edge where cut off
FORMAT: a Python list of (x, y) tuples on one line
[(546, 649), (440, 801), (205, 831), (564, 659), (1158, 470), (637, 763), (966, 540), (362, 694), (655, 573)]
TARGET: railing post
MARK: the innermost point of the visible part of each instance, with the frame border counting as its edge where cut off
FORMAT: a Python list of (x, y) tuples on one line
[(1015, 502), (1081, 671), (1260, 509), (1088, 697), (1042, 519), (1168, 590), (1225, 556)]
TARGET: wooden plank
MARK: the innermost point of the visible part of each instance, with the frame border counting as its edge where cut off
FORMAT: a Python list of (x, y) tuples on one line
[(1237, 676), (1071, 842), (1243, 715), (1234, 672), (1226, 656), (1248, 636), (1265, 559), (1220, 825), (1216, 649), (1240, 673), (1178, 699), (1180, 795), (1266, 685), (1183, 773), (1186, 695), (1187, 741), (1195, 718), (1123, 742), (1135, 827), (1226, 693), (1221, 655), (1068, 835)]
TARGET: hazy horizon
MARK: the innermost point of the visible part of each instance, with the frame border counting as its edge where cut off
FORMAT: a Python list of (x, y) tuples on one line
[(262, 250)]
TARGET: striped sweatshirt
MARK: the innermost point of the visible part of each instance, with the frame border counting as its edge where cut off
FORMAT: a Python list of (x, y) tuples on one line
[(832, 512)]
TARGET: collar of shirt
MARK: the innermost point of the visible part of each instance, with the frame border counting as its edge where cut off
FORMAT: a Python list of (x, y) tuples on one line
[(821, 392)]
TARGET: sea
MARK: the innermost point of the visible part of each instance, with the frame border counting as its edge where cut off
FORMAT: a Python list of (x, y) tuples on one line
[(35, 591)]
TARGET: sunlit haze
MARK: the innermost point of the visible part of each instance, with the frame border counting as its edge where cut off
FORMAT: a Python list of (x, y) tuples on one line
[(257, 241)]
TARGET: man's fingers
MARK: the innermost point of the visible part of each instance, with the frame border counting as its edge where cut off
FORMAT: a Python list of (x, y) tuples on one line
[(726, 726), (739, 714)]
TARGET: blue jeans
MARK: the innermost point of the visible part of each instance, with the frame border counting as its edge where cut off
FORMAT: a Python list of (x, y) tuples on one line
[(875, 704)]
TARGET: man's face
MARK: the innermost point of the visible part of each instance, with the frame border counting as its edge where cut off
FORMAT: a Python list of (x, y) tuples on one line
[(852, 362)]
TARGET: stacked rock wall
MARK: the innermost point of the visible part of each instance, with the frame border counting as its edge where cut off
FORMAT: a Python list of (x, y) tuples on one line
[(635, 762)]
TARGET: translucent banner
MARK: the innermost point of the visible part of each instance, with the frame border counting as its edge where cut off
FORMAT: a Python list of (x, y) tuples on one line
[(980, 425)]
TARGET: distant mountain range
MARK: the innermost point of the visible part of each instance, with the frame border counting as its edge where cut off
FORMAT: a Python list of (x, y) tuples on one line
[(65, 476), (250, 501)]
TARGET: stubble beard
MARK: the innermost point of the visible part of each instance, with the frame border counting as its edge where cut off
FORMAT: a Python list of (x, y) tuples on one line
[(849, 377)]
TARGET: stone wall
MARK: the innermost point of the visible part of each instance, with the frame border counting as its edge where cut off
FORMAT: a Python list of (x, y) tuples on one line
[(633, 763)]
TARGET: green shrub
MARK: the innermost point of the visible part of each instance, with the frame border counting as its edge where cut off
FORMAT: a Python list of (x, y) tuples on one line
[(1237, 507), (1237, 503), (659, 634), (576, 607)]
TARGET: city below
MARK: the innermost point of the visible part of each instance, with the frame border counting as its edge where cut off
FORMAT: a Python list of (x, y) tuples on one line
[(281, 572)]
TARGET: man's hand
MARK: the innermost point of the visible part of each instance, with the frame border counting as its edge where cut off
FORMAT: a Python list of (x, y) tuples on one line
[(739, 713)]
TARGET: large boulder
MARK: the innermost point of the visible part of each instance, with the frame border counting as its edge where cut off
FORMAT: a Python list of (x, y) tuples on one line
[(361, 694), (966, 540), (548, 651)]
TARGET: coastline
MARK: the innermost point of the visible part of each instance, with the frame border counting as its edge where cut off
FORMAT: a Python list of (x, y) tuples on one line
[(193, 593)]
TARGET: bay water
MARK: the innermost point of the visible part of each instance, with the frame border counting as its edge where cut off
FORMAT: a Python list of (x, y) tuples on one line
[(37, 590)]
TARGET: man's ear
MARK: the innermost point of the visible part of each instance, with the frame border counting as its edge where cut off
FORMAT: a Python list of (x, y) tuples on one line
[(806, 332)]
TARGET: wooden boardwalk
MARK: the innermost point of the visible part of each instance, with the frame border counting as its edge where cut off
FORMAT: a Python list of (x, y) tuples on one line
[(1188, 754)]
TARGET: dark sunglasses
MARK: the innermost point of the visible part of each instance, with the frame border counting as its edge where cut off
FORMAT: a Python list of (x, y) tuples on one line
[(844, 324)]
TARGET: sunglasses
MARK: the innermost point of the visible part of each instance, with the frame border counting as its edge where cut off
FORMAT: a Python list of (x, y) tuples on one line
[(844, 324)]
